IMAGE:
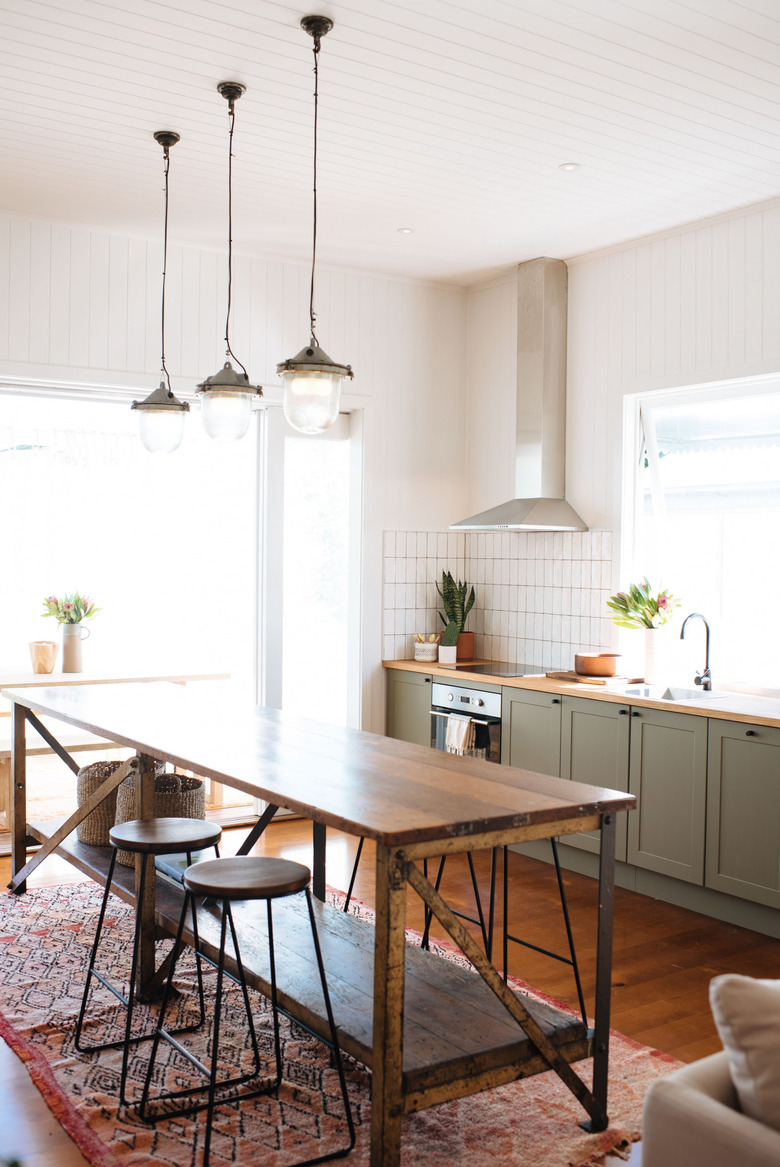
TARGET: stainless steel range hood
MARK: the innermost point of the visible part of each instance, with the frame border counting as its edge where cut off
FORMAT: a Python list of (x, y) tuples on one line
[(540, 448)]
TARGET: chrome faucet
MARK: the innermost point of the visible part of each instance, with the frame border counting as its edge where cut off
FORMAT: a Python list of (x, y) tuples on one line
[(704, 678)]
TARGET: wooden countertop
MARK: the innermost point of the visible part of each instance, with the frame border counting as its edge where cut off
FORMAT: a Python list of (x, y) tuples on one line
[(743, 707), (363, 783)]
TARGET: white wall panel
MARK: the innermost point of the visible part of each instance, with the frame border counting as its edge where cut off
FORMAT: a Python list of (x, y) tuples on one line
[(5, 285), (40, 251), (688, 307), (19, 291)]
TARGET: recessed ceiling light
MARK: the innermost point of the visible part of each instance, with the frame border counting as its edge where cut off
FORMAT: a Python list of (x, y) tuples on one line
[(405, 230), (569, 166)]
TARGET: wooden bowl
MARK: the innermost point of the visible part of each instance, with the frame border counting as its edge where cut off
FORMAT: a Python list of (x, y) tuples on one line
[(602, 665)]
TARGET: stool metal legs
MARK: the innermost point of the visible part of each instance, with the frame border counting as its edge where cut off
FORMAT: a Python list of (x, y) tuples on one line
[(212, 1086), (128, 1001), (571, 959), (209, 1073)]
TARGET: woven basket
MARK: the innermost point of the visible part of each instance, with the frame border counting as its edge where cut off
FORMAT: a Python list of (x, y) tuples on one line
[(174, 797), (95, 827)]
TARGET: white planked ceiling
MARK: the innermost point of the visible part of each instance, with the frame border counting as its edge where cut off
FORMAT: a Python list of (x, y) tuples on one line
[(447, 117)]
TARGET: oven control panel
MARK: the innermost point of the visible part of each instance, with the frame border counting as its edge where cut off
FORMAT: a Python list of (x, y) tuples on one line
[(464, 700)]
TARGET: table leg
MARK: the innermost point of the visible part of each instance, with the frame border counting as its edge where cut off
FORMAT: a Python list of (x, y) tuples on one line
[(319, 831), (257, 829), (144, 889), (604, 966), (389, 970), (18, 808)]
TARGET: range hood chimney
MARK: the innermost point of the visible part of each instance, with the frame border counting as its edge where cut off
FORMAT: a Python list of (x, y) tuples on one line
[(540, 447)]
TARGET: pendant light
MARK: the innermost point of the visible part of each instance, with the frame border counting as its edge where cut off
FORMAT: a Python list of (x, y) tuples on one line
[(312, 381), (161, 415), (226, 398)]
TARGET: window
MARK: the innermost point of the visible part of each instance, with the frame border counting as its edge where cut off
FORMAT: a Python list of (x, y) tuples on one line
[(164, 544), (707, 517), (311, 571)]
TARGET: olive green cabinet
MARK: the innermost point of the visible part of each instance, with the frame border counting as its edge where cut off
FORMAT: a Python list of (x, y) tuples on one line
[(531, 730), (594, 749), (743, 811), (409, 706), (668, 775)]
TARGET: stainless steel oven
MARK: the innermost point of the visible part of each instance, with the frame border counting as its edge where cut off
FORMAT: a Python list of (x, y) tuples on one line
[(482, 706)]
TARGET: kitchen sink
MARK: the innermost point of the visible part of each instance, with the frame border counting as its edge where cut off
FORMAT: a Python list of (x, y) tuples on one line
[(670, 693)]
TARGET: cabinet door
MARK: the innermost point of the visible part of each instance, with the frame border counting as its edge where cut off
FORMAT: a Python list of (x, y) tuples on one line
[(409, 707), (668, 775), (743, 811), (531, 731), (594, 749)]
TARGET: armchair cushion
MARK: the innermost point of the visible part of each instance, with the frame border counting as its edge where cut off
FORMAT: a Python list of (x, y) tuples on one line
[(747, 1015)]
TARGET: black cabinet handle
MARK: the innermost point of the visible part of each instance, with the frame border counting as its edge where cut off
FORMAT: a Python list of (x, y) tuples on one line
[(634, 713), (556, 700), (427, 680), (750, 733), (622, 712)]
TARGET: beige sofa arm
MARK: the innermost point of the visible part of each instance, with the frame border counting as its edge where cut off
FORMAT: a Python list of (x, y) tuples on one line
[(691, 1120)]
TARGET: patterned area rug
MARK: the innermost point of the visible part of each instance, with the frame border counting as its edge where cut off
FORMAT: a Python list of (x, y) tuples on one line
[(44, 946)]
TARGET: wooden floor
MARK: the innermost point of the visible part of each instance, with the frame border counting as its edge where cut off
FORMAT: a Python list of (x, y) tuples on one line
[(664, 958)]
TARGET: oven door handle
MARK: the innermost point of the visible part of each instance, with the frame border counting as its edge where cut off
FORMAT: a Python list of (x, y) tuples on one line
[(476, 720)]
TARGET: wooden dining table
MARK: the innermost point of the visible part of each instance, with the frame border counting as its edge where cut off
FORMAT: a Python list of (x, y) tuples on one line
[(428, 1029)]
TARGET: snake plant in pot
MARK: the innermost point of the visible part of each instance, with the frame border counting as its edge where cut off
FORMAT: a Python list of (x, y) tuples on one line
[(457, 602)]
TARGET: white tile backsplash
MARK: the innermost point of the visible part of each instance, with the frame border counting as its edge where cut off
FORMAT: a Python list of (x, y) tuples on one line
[(540, 595)]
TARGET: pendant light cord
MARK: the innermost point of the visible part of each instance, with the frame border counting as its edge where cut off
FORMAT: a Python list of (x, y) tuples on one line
[(232, 121), (166, 168), (312, 315)]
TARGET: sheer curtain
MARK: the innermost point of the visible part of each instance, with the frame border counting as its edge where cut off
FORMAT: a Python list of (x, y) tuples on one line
[(165, 544)]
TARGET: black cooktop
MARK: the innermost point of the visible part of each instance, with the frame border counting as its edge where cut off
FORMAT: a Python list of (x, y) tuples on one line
[(500, 669)]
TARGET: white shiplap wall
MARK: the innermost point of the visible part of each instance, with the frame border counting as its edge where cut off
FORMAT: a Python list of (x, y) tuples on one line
[(685, 307), (688, 307), (82, 307)]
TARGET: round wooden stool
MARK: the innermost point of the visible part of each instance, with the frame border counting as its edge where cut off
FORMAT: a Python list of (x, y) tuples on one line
[(243, 877), (145, 837)]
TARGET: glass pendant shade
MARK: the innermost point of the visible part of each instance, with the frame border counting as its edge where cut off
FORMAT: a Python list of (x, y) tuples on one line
[(226, 415), (226, 404), (161, 421), (312, 389), (311, 400)]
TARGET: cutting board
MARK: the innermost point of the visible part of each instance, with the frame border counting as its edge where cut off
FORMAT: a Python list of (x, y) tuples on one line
[(578, 678)]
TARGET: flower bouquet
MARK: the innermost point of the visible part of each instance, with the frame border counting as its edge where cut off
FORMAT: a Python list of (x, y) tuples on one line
[(639, 607), (71, 609)]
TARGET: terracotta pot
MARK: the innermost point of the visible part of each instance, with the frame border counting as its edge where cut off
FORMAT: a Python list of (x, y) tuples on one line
[(604, 664), (466, 643)]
